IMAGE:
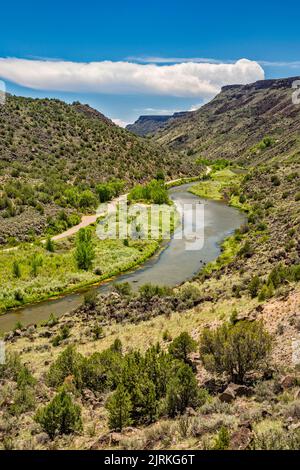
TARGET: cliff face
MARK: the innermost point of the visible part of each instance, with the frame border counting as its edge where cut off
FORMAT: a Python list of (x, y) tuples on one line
[(237, 120), (147, 125)]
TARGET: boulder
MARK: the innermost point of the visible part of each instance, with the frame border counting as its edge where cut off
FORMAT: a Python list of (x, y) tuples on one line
[(234, 390), (227, 396), (241, 390), (288, 381)]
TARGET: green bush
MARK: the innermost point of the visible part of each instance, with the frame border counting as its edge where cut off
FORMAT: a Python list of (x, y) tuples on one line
[(119, 407), (84, 253), (235, 349), (182, 346), (154, 191), (68, 363), (253, 286), (182, 390), (147, 291), (222, 439), (50, 246), (60, 416), (16, 269)]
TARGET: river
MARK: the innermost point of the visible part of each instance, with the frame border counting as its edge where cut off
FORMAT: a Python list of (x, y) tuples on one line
[(171, 266)]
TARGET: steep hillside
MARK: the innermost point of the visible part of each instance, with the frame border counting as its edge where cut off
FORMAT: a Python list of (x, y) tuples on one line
[(52, 155), (147, 125), (234, 124)]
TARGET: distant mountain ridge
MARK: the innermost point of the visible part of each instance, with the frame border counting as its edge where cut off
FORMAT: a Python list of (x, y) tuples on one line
[(236, 120), (150, 124)]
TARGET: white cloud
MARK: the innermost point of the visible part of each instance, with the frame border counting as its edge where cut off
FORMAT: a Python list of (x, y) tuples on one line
[(203, 60), (194, 107), (159, 111), (189, 79), (291, 64), (119, 122), (177, 60)]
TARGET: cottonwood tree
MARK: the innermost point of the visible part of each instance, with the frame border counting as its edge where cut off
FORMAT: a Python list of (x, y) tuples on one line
[(84, 253)]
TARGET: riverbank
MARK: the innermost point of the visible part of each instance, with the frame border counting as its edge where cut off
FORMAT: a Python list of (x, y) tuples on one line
[(57, 274), (32, 274), (171, 266), (223, 185)]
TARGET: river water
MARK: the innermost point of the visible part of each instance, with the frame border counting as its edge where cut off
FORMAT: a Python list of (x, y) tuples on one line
[(173, 265)]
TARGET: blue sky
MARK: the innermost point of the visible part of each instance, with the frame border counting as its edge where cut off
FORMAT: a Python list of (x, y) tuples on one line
[(161, 32)]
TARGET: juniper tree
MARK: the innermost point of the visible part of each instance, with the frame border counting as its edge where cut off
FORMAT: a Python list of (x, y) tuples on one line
[(60, 416), (119, 407), (182, 346), (235, 349)]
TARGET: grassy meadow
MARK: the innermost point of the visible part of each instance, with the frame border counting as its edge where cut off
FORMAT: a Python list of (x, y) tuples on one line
[(214, 186), (29, 273), (58, 273)]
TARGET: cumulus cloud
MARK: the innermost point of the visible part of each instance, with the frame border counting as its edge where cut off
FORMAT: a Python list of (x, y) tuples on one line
[(194, 107), (188, 79), (120, 122)]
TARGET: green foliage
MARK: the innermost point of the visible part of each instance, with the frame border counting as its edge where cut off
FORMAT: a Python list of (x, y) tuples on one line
[(140, 387), (52, 320), (14, 369), (87, 200), (279, 275), (68, 363), (276, 439), (123, 288), (253, 286), (235, 349), (216, 165), (16, 269), (90, 298), (50, 246), (182, 390), (84, 253), (119, 406), (275, 180), (154, 192), (117, 346), (246, 251), (182, 346), (23, 400), (60, 416), (148, 291), (266, 292), (265, 143), (36, 262), (107, 191), (222, 440)]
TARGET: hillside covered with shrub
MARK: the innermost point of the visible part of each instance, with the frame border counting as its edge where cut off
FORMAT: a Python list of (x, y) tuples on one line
[(52, 157), (249, 123)]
